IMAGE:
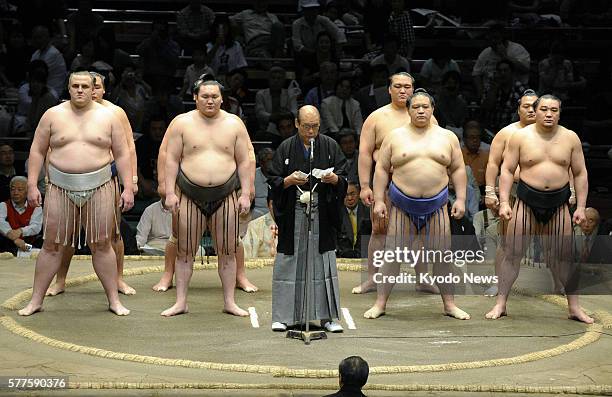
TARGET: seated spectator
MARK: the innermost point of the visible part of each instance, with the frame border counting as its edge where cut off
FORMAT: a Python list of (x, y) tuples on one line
[(261, 238), (341, 110), (85, 57), (194, 71), (154, 229), (163, 102), (50, 14), (486, 229), (131, 95), (54, 59), (285, 125), (224, 52), (17, 54), (329, 78), (391, 58), (147, 150), (272, 101), (107, 51), (472, 198), (451, 108), (38, 98), (194, 24), (260, 203), (325, 51), (376, 94), (20, 224), (355, 225), (261, 32), (159, 54), (400, 25), (231, 104), (500, 96), (474, 156), (237, 84), (500, 49), (83, 25), (557, 74), (348, 139), (7, 170), (435, 68), (305, 30), (353, 373), (585, 234)]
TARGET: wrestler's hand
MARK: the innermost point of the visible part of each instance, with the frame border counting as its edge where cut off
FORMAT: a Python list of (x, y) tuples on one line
[(492, 203), (244, 204), (34, 197), (172, 203), (127, 200), (579, 216), (505, 212), (366, 195), (458, 209), (330, 178), (380, 210)]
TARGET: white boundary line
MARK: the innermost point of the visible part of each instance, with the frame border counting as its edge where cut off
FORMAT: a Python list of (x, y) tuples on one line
[(254, 317), (348, 319)]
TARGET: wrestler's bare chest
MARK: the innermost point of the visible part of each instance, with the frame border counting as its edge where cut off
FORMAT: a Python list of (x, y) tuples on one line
[(408, 148), (84, 130), (386, 122), (199, 138), (536, 150)]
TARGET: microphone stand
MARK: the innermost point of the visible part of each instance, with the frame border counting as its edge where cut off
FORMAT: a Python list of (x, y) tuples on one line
[(307, 335)]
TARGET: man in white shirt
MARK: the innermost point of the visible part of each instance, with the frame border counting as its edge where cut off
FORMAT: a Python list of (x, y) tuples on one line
[(391, 58), (46, 52), (305, 29), (154, 229), (341, 110), (263, 33), (20, 224)]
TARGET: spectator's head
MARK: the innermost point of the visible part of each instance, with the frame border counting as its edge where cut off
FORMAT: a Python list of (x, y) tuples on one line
[(495, 35), (40, 37), (328, 72), (548, 111), (353, 371), (310, 10), (420, 108), (557, 52), (333, 10), (128, 77), (85, 6), (199, 55), (80, 88), (98, 87), (276, 78), (38, 82), (260, 6), (105, 42), (398, 6), (348, 142), (307, 123), (503, 71), (440, 56), (7, 155), (451, 81), (285, 124), (157, 127), (19, 189), (344, 88), (264, 158), (471, 136), (390, 47), (380, 75), (401, 87), (525, 107), (221, 29), (326, 44), (88, 49), (236, 79), (352, 198), (589, 226), (159, 29)]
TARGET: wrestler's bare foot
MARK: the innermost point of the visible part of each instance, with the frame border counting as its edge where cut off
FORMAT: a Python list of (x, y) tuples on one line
[(56, 289), (374, 312), (164, 284), (29, 310), (427, 288), (245, 285), (235, 310), (175, 310), (497, 312), (364, 288), (580, 315), (457, 313), (119, 309), (124, 288), (491, 291)]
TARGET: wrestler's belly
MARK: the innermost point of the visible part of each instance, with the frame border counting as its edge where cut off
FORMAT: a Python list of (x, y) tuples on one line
[(209, 170), (86, 159), (423, 184), (545, 176)]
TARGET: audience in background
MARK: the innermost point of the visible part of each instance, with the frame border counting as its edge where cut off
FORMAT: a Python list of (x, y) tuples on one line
[(154, 229), (20, 224)]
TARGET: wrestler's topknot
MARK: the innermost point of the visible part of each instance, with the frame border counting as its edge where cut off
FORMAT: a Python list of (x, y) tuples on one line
[(206, 79), (527, 92), (421, 92), (546, 96)]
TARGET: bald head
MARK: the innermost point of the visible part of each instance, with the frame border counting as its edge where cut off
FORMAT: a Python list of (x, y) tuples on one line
[(591, 222), (307, 110), (308, 122)]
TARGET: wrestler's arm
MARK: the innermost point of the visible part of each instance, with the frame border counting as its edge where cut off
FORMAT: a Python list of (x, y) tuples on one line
[(174, 149), (161, 164), (129, 136), (367, 144), (121, 152), (509, 164), (244, 155), (38, 150), (383, 167), (495, 158), (457, 167), (579, 171)]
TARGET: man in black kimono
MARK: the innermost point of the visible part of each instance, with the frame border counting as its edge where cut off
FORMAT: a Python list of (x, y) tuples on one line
[(290, 212)]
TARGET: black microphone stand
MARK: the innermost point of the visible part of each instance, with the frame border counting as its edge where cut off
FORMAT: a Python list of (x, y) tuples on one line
[(307, 335)]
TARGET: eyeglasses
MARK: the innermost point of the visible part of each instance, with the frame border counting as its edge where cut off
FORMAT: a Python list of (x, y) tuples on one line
[(310, 126)]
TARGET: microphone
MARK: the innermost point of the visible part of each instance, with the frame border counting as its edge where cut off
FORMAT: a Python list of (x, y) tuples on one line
[(311, 148)]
